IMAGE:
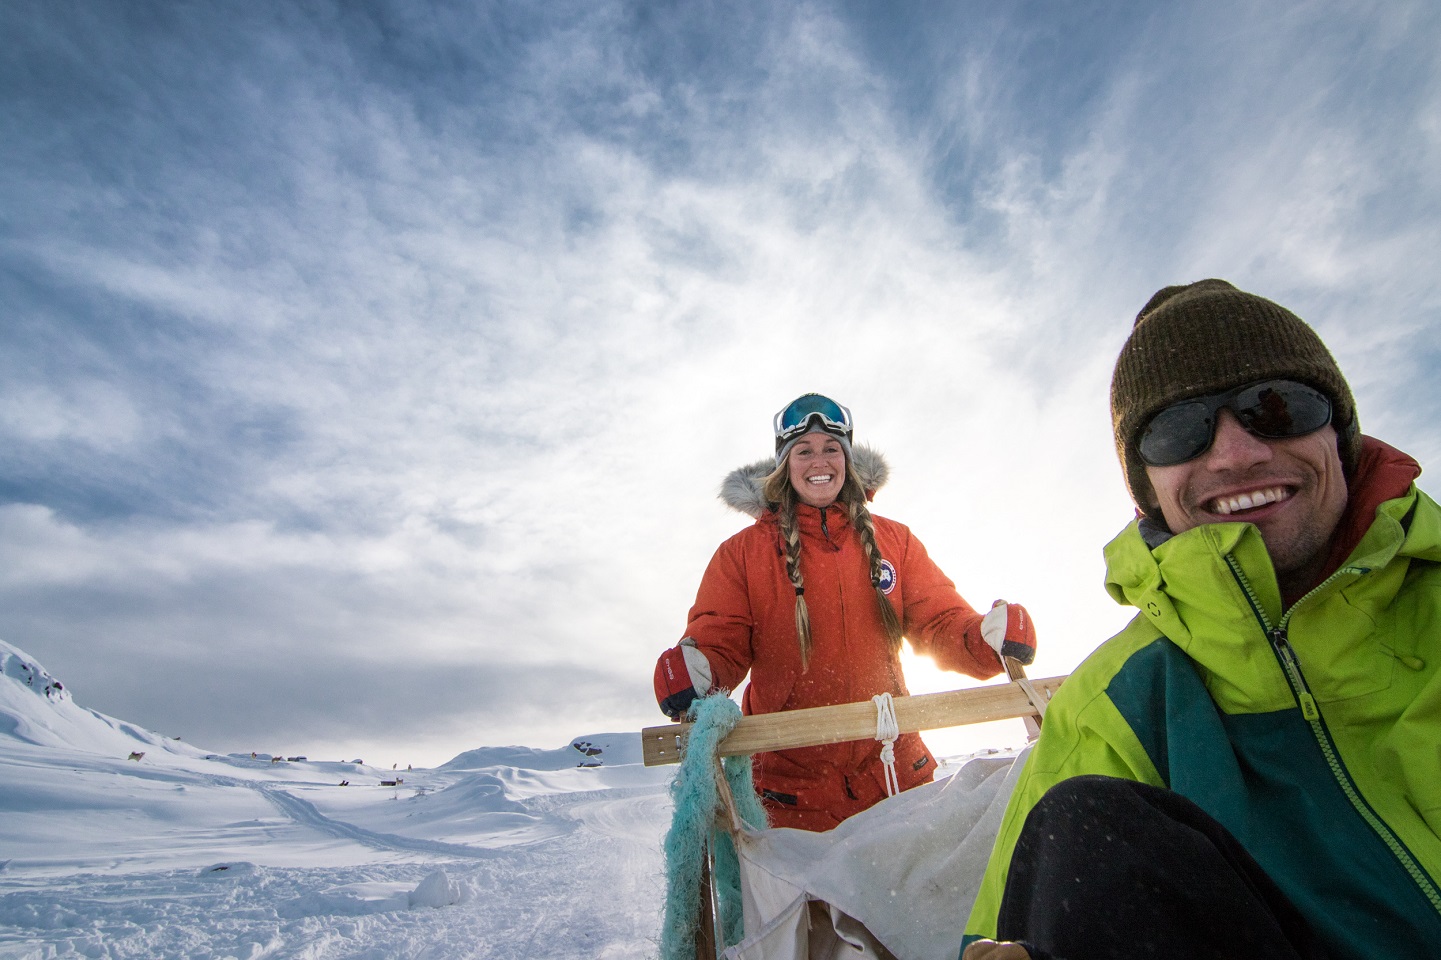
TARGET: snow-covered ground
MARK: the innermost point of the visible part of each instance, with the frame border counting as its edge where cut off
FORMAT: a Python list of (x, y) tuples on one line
[(118, 842), (504, 852)]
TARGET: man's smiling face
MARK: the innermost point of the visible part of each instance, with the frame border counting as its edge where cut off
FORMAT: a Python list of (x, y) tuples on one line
[(1293, 490)]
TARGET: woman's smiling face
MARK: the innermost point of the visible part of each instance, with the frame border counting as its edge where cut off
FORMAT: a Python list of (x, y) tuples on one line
[(817, 465)]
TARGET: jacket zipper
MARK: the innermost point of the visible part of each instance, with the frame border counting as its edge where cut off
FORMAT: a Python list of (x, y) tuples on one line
[(1301, 691)]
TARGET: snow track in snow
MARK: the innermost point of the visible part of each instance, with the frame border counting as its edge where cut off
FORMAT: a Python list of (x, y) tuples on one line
[(624, 815), (305, 813)]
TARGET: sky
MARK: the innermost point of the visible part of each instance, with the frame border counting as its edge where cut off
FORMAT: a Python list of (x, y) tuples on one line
[(368, 370)]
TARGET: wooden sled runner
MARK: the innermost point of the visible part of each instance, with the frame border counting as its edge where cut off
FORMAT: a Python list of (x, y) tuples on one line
[(1020, 698)]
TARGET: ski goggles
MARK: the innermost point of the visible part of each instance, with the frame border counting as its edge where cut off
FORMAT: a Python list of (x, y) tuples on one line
[(1271, 409), (799, 418)]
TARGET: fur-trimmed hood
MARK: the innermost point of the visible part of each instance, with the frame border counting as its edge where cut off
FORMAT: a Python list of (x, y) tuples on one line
[(741, 489)]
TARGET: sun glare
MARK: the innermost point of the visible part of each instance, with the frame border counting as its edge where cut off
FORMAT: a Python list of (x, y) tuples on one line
[(923, 676)]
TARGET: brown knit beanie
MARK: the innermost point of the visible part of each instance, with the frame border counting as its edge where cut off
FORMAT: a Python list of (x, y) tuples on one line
[(1204, 337)]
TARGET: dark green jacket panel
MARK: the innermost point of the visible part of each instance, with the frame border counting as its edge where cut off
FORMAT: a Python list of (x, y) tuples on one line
[(1265, 778)]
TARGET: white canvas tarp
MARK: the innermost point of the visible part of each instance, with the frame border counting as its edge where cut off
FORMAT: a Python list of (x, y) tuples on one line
[(895, 881)]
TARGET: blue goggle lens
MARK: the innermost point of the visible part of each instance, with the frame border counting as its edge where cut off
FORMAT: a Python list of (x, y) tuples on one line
[(796, 418)]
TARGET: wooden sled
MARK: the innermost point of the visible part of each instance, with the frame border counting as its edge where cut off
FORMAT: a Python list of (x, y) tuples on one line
[(1021, 697)]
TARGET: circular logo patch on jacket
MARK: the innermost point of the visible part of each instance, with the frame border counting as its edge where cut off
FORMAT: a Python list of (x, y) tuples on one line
[(888, 577)]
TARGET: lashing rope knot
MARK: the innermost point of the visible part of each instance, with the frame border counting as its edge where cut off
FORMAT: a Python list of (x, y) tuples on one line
[(886, 732)]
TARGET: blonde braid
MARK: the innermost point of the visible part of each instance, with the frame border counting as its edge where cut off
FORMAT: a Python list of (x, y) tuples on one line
[(791, 531), (855, 499), (777, 490)]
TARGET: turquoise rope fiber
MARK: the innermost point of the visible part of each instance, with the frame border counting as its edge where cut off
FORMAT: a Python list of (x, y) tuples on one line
[(697, 803)]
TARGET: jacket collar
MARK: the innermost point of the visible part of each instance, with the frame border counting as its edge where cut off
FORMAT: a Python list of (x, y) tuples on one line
[(1190, 588), (1382, 475)]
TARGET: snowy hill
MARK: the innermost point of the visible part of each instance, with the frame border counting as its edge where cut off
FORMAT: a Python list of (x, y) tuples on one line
[(605, 749), (502, 852), (36, 708)]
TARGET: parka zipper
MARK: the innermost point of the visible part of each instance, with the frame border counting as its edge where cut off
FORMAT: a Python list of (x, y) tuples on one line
[(1311, 713), (824, 526)]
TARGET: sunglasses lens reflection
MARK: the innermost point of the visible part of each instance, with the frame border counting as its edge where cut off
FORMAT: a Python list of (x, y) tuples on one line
[(1281, 409), (1273, 409), (1178, 433)]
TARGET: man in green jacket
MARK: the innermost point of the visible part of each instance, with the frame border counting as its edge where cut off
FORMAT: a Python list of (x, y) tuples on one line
[(1252, 768)]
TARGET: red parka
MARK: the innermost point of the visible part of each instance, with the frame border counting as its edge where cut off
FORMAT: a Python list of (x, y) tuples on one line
[(743, 621)]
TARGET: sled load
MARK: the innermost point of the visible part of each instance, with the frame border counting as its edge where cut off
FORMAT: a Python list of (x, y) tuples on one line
[(897, 880)]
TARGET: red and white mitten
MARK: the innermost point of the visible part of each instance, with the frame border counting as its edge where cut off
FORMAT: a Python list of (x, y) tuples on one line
[(681, 674), (1007, 628)]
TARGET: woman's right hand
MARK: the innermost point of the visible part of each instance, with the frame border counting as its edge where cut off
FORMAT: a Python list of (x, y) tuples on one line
[(681, 674)]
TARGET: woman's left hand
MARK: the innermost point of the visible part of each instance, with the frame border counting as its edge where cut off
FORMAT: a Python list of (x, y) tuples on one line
[(1009, 631)]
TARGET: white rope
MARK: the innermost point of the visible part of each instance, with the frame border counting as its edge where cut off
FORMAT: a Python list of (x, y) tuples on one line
[(886, 732)]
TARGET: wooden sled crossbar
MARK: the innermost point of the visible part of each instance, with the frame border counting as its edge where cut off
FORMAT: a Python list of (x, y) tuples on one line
[(857, 721)]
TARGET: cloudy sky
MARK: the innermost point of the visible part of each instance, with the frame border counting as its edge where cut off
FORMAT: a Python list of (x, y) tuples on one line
[(368, 369)]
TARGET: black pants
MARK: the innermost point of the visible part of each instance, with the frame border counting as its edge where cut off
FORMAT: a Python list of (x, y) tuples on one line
[(1108, 868)]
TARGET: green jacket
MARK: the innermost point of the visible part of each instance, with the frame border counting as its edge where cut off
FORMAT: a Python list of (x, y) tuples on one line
[(1313, 734)]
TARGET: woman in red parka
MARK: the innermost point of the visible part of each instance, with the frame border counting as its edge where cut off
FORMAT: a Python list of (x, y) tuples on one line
[(813, 600)]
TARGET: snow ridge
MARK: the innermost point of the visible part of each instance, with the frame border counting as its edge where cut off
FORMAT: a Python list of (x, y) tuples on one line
[(36, 708)]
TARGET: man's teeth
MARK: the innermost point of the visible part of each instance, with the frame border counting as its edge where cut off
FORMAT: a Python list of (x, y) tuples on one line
[(1248, 501)]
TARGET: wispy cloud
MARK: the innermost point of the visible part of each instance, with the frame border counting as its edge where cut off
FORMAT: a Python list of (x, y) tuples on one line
[(369, 370)]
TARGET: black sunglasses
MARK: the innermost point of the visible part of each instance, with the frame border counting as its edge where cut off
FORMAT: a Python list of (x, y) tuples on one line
[(1273, 409)]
